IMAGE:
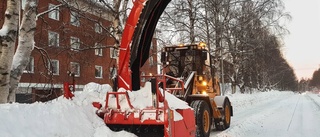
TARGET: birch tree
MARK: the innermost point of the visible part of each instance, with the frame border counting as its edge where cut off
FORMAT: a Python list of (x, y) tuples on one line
[(8, 36), (25, 46), (119, 9)]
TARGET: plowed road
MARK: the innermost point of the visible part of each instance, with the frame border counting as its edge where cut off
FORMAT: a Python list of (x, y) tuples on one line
[(287, 115)]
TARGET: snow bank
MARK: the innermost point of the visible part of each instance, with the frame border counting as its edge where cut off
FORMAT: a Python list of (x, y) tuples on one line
[(313, 97), (68, 118), (76, 117), (58, 118), (241, 101)]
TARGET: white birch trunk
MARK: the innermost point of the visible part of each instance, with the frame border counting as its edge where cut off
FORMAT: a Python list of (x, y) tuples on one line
[(116, 21), (25, 46), (8, 35), (116, 25)]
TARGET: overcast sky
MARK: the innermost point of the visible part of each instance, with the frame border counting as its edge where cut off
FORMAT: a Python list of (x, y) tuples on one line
[(302, 45)]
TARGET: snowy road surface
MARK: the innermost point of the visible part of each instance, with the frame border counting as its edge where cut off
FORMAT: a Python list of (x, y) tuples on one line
[(285, 115)]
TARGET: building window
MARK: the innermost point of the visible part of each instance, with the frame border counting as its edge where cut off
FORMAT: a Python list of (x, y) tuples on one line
[(75, 43), (98, 71), (151, 61), (113, 53), (54, 14), (143, 79), (53, 38), (113, 72), (30, 67), (74, 18), (97, 28), (75, 68), (98, 50), (54, 67)]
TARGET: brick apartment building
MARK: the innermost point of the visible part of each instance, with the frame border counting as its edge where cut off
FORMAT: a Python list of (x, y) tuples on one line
[(70, 40)]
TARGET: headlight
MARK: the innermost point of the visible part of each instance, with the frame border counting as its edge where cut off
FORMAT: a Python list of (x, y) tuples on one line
[(204, 83), (202, 44), (200, 78)]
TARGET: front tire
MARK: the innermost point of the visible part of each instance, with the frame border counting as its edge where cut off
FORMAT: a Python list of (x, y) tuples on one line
[(224, 123), (203, 118)]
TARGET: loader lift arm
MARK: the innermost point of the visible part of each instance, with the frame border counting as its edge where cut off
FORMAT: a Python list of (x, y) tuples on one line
[(138, 32)]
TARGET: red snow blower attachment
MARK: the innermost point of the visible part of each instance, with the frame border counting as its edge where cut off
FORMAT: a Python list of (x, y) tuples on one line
[(193, 83), (157, 120)]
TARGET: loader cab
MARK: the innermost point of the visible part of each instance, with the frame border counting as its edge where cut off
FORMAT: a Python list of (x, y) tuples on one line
[(181, 60)]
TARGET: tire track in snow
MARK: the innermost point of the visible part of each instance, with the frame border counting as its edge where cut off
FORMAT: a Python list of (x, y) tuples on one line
[(295, 108), (305, 121)]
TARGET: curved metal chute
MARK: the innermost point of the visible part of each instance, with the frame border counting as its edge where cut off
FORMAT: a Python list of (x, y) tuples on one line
[(143, 35)]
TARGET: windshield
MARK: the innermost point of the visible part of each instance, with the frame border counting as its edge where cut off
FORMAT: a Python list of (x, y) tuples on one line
[(182, 62)]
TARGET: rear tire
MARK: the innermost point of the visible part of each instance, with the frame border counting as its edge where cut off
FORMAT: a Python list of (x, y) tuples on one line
[(203, 118), (224, 123)]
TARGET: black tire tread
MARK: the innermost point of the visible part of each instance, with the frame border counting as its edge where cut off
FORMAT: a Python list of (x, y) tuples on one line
[(225, 124), (199, 107)]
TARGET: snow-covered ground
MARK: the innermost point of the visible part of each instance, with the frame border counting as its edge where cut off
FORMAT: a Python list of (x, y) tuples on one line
[(260, 114), (58, 118), (274, 114)]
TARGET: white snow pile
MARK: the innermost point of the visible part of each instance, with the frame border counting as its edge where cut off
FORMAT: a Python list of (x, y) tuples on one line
[(314, 97), (67, 118), (143, 99), (241, 101), (59, 117)]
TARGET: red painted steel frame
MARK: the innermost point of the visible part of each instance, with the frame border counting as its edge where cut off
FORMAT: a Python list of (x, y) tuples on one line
[(185, 127), (124, 71), (181, 128)]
